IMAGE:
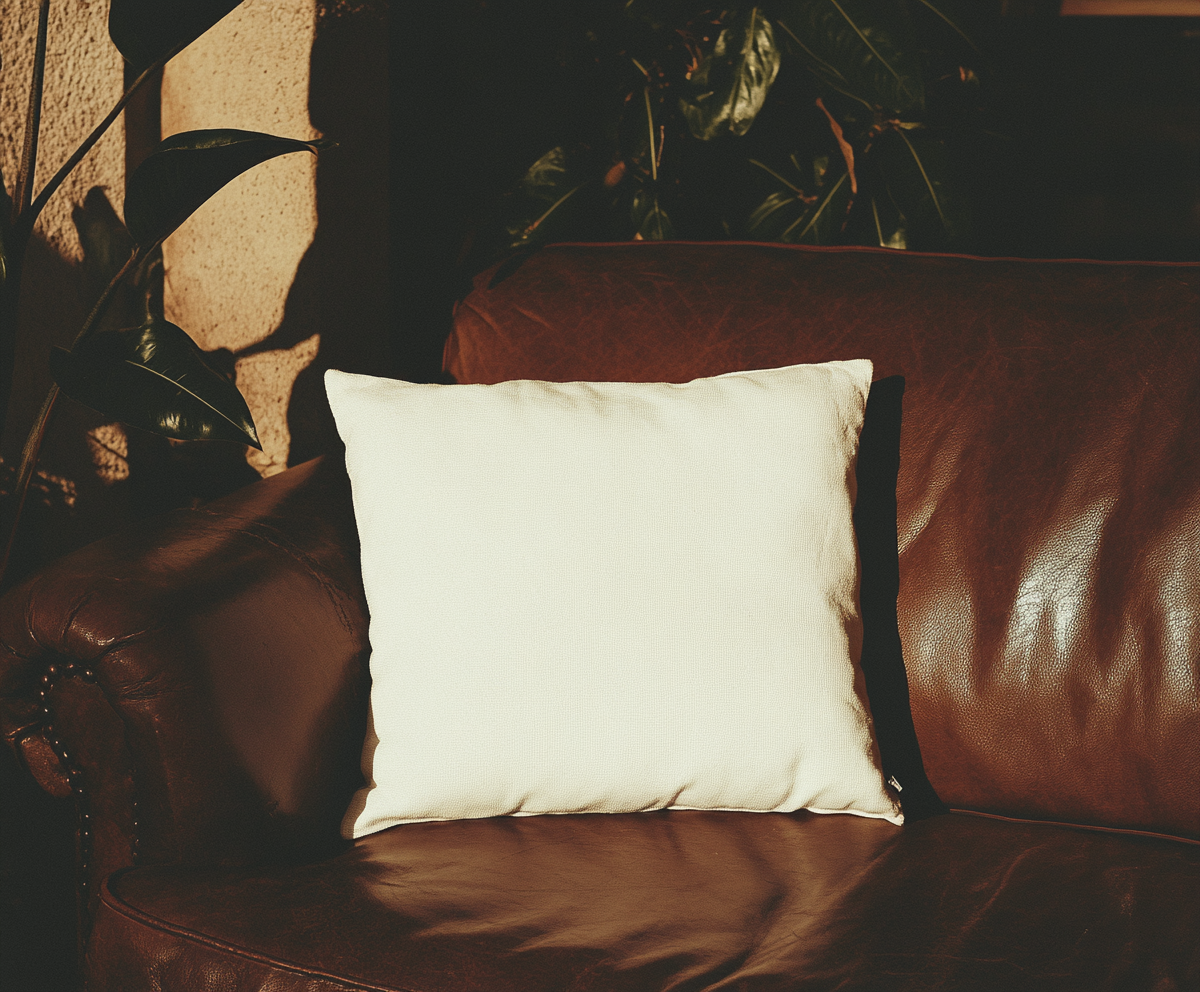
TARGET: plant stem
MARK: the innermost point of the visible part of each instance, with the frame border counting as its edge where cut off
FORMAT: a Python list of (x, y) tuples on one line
[(25, 214), (33, 443), (97, 133), (650, 126), (33, 120)]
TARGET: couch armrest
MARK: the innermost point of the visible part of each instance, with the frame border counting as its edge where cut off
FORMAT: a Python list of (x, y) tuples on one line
[(199, 684)]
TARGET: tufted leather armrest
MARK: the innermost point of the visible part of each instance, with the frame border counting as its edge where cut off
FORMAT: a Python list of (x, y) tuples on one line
[(199, 684)]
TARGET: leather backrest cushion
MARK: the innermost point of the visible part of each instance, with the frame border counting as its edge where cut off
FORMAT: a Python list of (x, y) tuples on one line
[(1049, 485)]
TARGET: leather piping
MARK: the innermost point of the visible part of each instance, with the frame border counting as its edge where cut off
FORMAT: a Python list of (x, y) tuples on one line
[(1091, 827)]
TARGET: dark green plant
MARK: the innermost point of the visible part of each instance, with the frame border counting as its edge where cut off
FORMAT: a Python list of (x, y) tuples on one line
[(152, 376), (806, 121)]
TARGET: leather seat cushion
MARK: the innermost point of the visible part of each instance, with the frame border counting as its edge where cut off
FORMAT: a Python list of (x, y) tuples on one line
[(680, 900)]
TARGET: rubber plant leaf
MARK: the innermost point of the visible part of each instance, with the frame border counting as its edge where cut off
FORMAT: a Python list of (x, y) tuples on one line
[(824, 221), (149, 31), (728, 88), (545, 205), (794, 215), (787, 200), (864, 49), (155, 377), (649, 219), (771, 216), (188, 168)]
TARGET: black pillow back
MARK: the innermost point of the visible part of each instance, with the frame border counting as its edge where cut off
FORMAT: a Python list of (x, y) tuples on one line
[(882, 653)]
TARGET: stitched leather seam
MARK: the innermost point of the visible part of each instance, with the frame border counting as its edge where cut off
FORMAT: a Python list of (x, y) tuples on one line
[(118, 905), (72, 613), (255, 528), (276, 540), (1091, 827)]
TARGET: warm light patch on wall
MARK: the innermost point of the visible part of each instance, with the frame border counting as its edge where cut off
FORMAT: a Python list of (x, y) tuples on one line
[(44, 486), (83, 80), (109, 448)]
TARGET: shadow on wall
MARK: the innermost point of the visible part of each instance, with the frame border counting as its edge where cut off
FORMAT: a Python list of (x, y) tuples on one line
[(340, 291), (83, 489), (94, 476)]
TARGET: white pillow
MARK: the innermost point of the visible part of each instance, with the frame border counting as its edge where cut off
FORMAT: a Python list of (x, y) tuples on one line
[(610, 597)]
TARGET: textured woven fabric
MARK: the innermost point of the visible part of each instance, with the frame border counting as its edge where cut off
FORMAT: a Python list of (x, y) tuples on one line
[(610, 597)]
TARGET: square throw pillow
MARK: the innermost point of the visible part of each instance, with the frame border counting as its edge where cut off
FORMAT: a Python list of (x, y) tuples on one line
[(611, 597)]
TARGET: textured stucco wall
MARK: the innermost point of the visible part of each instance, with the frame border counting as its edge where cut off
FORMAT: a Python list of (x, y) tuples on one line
[(84, 78), (83, 81), (230, 267)]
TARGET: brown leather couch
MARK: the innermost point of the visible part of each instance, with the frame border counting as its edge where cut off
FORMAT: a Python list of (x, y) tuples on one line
[(199, 685)]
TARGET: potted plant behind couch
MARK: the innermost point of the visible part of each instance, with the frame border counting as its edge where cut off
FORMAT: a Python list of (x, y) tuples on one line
[(151, 376), (861, 113)]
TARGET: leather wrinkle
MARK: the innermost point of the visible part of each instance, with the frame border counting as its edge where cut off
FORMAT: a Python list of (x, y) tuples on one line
[(117, 905), (7, 647), (84, 599), (337, 596)]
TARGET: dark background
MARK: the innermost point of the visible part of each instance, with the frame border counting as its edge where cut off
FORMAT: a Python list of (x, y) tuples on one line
[(1103, 119)]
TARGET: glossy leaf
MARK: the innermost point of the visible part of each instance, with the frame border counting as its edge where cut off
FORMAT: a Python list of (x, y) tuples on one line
[(147, 31), (186, 169), (775, 213), (155, 377), (797, 216), (864, 49), (728, 89), (650, 220), (546, 202)]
